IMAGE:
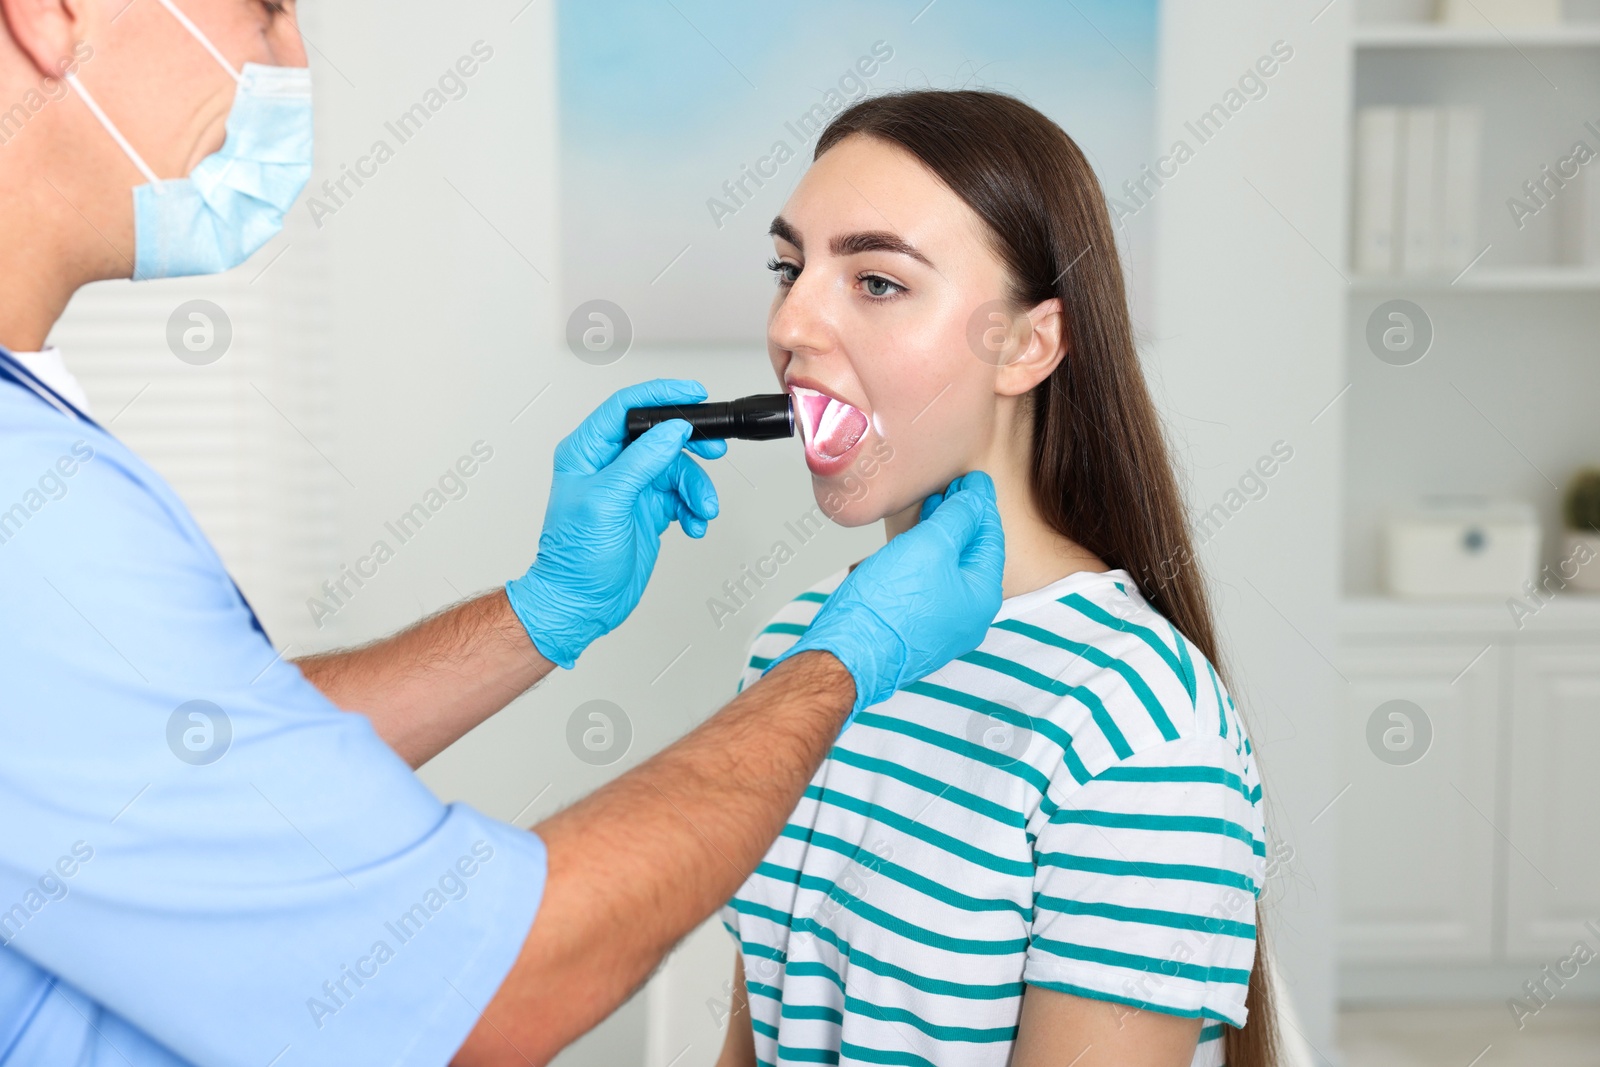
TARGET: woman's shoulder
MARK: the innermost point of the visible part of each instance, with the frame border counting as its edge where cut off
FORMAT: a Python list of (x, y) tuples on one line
[(1121, 677)]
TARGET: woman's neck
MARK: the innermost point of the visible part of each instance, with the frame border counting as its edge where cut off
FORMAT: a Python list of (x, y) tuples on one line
[(1036, 555)]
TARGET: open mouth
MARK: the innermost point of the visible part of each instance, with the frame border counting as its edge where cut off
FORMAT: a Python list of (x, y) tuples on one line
[(830, 427)]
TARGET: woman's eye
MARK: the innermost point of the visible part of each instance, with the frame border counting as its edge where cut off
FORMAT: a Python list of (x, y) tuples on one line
[(880, 287), (784, 273)]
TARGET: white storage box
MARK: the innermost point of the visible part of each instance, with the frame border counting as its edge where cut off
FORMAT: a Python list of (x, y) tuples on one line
[(1462, 548)]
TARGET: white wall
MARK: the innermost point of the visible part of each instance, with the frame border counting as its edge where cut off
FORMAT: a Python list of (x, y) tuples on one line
[(1248, 350)]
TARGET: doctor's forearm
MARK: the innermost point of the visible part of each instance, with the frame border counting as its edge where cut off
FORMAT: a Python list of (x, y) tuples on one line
[(641, 862), (426, 686)]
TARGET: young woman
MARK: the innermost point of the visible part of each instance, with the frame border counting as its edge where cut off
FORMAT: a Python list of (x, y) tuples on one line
[(1050, 851)]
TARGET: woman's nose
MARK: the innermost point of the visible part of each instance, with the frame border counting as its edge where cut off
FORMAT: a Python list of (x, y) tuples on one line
[(799, 320)]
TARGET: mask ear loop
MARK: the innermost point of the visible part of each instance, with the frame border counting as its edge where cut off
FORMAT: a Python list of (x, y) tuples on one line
[(194, 31), (110, 127), (116, 134)]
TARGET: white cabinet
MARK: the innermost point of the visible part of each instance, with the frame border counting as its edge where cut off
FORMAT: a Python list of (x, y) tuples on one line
[(1485, 852), (1554, 831), (1416, 845)]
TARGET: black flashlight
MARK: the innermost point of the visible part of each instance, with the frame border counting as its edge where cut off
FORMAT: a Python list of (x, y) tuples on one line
[(750, 418)]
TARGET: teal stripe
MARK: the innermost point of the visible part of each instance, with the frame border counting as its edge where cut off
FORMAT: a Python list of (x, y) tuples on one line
[(1185, 872), (1222, 712), (814, 970), (1058, 736), (943, 790), (1211, 1032), (1199, 773), (1122, 820), (902, 875), (787, 875), (1051, 730), (1086, 697), (813, 598), (920, 982), (939, 1031), (1183, 658), (806, 1055), (763, 952), (1176, 920), (939, 986), (796, 628), (909, 930), (760, 911), (1089, 993), (894, 819), (959, 745), (761, 663), (1095, 613), (1132, 961), (761, 989), (879, 1055), (764, 1029), (814, 1011), (881, 919), (1100, 658)]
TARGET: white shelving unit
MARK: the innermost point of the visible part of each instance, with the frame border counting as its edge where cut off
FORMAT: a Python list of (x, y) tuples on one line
[(1427, 35), (1473, 838), (1507, 280)]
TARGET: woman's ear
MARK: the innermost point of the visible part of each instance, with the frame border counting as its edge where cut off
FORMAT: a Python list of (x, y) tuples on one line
[(45, 31), (1039, 341)]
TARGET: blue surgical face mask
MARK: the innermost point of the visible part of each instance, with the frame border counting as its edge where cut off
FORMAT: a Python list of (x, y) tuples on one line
[(235, 200)]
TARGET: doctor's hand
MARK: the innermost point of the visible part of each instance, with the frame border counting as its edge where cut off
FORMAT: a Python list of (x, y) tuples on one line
[(609, 506), (920, 601)]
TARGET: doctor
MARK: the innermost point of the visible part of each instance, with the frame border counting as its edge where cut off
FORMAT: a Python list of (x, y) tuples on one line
[(304, 899)]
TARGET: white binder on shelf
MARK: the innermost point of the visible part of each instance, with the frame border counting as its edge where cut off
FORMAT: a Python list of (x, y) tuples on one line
[(1419, 241), (1460, 152), (1377, 186)]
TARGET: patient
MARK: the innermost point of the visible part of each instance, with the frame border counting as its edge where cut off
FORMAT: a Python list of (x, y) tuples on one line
[(1049, 852)]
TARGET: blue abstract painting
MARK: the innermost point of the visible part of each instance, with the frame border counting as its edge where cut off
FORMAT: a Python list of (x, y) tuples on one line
[(686, 123)]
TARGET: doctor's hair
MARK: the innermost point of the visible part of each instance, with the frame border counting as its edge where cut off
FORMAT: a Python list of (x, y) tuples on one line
[(1100, 470)]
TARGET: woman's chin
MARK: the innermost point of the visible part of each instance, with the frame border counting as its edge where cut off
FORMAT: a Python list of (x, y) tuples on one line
[(841, 508), (859, 487)]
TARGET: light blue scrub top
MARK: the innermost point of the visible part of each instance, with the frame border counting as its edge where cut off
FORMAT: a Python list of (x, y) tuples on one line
[(303, 899)]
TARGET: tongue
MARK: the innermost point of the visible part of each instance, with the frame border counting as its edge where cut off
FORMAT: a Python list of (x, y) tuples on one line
[(838, 430)]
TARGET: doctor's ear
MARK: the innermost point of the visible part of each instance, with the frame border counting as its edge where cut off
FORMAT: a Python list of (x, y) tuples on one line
[(1036, 343), (50, 33)]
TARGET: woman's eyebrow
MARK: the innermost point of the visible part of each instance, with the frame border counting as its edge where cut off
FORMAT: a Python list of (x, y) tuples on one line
[(781, 229), (851, 243), (876, 241)]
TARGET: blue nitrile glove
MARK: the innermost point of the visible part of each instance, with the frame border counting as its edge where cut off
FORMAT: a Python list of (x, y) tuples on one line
[(920, 601), (608, 509)]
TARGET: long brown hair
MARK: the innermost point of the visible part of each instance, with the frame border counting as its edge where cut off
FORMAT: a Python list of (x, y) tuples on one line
[(1100, 469)]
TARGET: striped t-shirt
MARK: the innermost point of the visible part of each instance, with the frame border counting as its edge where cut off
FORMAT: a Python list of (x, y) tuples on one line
[(1074, 805)]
